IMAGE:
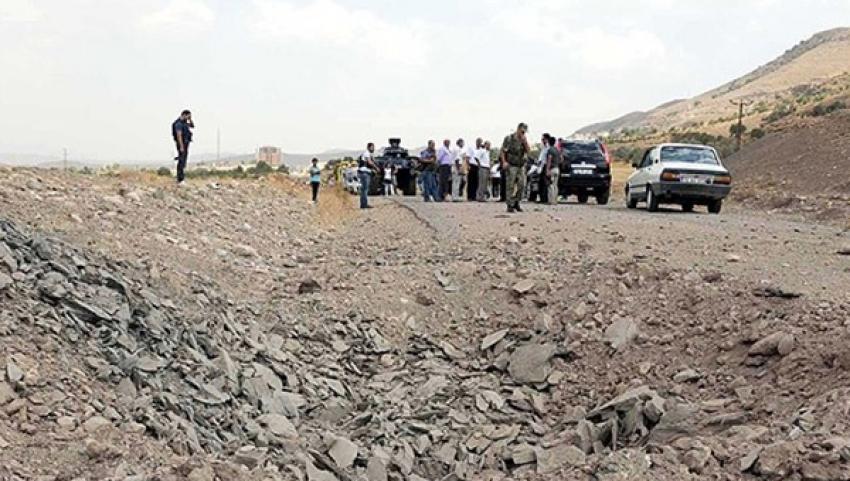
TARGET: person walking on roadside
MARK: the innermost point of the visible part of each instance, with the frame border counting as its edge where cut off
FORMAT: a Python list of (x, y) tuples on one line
[(513, 157), (482, 157), (472, 173), (181, 130), (553, 170), (428, 172), (365, 167), (445, 158), (315, 179), (460, 161)]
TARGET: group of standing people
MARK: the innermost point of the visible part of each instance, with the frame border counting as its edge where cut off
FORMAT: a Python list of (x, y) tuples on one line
[(457, 172)]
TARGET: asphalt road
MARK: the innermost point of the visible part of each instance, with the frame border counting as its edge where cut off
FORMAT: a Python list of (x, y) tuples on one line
[(757, 247)]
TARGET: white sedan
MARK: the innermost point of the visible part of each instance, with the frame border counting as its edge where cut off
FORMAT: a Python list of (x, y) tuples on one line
[(683, 174)]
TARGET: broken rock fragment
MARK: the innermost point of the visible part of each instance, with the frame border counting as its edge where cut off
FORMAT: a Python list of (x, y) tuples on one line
[(343, 452), (493, 339), (558, 457), (531, 364), (621, 333), (778, 343), (523, 287)]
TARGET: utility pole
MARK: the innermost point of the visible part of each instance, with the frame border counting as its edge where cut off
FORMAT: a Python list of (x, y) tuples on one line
[(740, 132), (65, 159)]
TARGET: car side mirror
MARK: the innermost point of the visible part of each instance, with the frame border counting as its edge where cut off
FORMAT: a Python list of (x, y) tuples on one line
[(635, 165)]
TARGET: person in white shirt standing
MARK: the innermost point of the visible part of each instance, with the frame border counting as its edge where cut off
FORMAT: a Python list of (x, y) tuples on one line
[(365, 167), (496, 177), (389, 186), (459, 168), (482, 157)]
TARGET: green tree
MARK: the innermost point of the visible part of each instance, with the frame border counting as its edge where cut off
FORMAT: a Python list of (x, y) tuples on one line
[(737, 129)]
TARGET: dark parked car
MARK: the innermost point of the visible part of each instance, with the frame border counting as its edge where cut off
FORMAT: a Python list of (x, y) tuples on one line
[(397, 157), (585, 171)]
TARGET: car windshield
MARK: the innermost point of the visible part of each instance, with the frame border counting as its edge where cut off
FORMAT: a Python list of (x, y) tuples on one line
[(688, 155)]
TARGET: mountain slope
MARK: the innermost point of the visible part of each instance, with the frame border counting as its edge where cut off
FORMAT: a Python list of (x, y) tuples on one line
[(805, 73)]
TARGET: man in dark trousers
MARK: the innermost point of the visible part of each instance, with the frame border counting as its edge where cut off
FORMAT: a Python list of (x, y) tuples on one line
[(181, 130)]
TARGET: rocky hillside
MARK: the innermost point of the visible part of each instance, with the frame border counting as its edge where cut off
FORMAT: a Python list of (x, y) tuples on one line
[(802, 167), (804, 76)]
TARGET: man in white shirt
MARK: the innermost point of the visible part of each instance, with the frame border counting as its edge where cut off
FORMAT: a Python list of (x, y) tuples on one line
[(459, 169), (365, 167), (482, 158)]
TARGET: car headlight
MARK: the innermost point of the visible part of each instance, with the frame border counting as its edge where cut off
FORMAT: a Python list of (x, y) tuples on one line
[(670, 176)]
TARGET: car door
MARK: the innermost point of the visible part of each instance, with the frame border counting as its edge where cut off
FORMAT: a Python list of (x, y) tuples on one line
[(654, 168), (637, 182)]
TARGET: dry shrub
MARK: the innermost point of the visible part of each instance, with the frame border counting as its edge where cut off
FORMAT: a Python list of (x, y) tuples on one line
[(335, 204)]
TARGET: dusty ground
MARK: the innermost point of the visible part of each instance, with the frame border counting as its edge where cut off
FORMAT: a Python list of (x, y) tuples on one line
[(737, 324)]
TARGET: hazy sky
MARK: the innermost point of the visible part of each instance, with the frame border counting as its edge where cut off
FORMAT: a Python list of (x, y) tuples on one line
[(105, 78)]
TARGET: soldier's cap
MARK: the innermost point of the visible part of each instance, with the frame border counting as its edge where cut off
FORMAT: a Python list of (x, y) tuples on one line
[(523, 126)]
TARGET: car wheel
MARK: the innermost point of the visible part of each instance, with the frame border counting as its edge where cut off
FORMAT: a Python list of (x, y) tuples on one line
[(582, 199), (651, 200), (687, 207), (715, 206), (602, 198), (631, 202)]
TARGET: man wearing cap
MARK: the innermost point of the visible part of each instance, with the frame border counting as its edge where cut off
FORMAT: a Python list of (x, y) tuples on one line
[(514, 151)]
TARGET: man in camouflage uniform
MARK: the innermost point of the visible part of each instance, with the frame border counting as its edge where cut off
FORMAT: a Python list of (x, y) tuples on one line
[(514, 151)]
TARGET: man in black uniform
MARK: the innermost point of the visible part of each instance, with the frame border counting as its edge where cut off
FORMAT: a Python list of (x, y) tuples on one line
[(181, 130)]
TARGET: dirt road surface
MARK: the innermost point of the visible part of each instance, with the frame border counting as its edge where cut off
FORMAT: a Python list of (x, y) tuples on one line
[(752, 246)]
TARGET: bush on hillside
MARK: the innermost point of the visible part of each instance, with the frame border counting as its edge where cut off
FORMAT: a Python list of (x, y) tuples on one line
[(820, 110), (628, 154), (757, 133), (163, 172), (737, 129), (780, 112)]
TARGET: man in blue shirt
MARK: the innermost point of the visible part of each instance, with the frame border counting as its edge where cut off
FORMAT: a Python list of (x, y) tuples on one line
[(428, 161), (181, 130), (315, 178)]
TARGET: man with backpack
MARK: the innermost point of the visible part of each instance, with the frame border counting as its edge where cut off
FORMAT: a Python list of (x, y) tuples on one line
[(181, 130)]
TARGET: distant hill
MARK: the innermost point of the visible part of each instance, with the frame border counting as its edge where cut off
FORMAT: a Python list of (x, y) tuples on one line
[(807, 73), (198, 160)]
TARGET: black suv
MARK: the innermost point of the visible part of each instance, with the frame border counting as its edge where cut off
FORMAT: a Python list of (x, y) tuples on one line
[(585, 171)]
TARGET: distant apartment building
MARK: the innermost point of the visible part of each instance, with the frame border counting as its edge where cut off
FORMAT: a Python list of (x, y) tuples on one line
[(270, 155)]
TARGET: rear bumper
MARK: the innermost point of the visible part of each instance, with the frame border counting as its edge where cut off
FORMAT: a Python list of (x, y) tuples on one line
[(679, 192), (569, 182)]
